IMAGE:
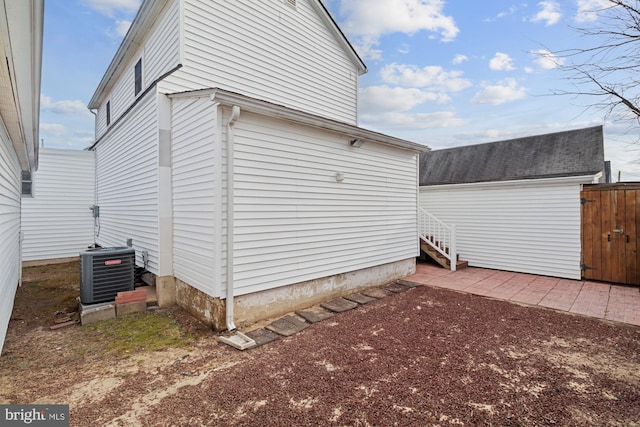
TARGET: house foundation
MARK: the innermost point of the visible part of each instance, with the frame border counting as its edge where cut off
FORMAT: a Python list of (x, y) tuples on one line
[(258, 306)]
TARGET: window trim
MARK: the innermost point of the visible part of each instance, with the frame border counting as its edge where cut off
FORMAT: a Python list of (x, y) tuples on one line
[(137, 77), (27, 179)]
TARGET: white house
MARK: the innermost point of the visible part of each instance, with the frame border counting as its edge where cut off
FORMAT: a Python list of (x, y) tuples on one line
[(57, 222), (516, 203), (227, 149), (21, 25)]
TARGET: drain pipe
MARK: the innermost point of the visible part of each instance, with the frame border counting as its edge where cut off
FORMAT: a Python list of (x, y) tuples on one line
[(235, 113)]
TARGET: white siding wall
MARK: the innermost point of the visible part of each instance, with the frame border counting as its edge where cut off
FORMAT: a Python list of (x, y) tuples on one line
[(10, 184), (268, 50), (524, 227), (294, 222), (127, 182), (196, 193), (56, 221), (160, 52)]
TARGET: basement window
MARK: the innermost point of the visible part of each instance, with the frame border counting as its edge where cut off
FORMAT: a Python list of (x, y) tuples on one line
[(108, 113), (138, 76), (27, 184)]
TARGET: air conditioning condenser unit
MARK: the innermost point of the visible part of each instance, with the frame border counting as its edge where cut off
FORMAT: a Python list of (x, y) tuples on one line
[(104, 272)]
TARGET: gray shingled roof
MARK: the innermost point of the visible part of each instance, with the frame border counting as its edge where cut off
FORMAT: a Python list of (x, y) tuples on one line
[(569, 153)]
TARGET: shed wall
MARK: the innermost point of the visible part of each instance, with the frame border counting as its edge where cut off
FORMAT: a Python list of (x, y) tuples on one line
[(127, 182), (267, 50), (532, 228), (10, 185), (56, 221), (295, 222)]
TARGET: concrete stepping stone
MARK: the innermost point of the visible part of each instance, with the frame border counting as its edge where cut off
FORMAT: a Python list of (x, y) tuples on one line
[(408, 283), (376, 293), (339, 305), (395, 288), (288, 325), (262, 336), (360, 298), (314, 314)]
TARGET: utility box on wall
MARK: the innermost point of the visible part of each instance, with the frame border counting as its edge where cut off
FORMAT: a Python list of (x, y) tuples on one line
[(104, 272)]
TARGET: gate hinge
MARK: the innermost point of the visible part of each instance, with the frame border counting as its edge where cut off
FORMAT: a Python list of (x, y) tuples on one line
[(583, 201), (585, 267)]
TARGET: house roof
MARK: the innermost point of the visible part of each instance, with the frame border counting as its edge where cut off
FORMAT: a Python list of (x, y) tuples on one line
[(270, 109), (562, 154), (146, 17)]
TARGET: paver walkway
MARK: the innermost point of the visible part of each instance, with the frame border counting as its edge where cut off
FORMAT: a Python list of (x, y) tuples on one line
[(605, 301)]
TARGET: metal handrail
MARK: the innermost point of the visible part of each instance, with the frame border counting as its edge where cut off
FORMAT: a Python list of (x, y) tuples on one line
[(438, 235)]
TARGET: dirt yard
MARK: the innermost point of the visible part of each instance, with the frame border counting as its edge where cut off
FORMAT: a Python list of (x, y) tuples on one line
[(424, 357)]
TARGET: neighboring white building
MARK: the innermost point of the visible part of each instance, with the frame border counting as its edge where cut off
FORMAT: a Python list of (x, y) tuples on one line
[(227, 149), (21, 25), (516, 203), (57, 222)]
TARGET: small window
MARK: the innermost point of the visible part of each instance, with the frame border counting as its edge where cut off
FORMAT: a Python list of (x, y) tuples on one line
[(27, 184), (108, 113), (138, 76)]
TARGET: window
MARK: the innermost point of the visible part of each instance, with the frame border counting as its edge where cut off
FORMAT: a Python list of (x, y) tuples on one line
[(108, 113), (138, 76), (27, 184)]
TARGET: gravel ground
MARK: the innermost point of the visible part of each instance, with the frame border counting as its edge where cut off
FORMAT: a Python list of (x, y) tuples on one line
[(425, 357)]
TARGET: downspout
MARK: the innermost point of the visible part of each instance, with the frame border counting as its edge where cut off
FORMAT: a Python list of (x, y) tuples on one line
[(235, 113)]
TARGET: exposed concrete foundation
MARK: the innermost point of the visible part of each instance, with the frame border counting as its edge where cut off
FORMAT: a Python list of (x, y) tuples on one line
[(258, 306), (166, 291)]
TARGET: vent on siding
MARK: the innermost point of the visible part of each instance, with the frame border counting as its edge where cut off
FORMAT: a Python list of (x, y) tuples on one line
[(291, 3), (104, 272)]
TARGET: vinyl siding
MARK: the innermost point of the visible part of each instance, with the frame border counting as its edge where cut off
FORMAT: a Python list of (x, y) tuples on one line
[(127, 182), (56, 221), (267, 50), (528, 228), (10, 184), (196, 186), (293, 220), (160, 52)]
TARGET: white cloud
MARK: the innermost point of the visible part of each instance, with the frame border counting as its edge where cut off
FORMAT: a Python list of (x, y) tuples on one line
[(53, 129), (120, 29), (432, 77), (459, 59), (506, 90), (503, 14), (368, 20), (501, 62), (550, 13), (110, 7), (588, 9), (547, 60), (404, 49), (416, 121), (379, 99), (66, 107)]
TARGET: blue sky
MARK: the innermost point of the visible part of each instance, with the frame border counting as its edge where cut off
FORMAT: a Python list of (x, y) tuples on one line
[(441, 73)]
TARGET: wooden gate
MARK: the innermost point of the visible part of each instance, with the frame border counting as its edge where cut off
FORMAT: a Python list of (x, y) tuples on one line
[(610, 238)]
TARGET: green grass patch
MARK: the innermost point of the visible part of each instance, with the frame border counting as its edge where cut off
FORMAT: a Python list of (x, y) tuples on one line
[(141, 332)]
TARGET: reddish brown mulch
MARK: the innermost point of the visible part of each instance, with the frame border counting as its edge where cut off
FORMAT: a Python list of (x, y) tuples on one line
[(423, 357)]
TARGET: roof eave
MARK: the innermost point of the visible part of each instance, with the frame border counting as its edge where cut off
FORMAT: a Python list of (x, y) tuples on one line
[(342, 39), (269, 109), (144, 19)]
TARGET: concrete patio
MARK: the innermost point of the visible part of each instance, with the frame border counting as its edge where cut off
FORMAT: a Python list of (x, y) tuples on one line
[(613, 302)]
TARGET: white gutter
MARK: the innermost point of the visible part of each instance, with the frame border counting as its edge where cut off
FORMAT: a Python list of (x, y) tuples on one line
[(235, 113)]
